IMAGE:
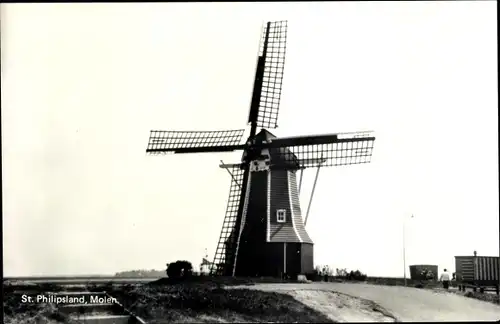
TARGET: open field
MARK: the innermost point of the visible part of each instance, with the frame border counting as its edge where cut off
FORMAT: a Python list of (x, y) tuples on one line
[(165, 301), (208, 299)]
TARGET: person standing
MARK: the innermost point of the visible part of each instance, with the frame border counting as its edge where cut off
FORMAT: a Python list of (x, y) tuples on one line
[(445, 279)]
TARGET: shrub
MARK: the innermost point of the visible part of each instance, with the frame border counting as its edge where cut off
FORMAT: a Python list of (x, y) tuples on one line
[(356, 276), (314, 275), (352, 275), (320, 273), (179, 269), (327, 271), (342, 273)]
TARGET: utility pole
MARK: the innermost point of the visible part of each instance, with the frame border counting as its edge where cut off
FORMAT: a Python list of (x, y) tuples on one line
[(404, 248), (404, 251)]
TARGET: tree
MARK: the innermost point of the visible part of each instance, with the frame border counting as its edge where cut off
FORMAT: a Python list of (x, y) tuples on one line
[(357, 275), (341, 272), (179, 269)]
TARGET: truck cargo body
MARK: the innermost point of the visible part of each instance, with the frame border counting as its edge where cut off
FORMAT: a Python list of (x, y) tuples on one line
[(481, 271), (416, 271)]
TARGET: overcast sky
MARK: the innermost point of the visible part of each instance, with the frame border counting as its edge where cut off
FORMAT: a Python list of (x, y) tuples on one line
[(83, 84)]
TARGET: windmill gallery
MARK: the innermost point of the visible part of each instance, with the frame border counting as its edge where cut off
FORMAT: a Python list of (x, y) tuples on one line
[(263, 233)]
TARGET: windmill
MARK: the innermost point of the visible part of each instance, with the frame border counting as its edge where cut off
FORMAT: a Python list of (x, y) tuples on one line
[(263, 233)]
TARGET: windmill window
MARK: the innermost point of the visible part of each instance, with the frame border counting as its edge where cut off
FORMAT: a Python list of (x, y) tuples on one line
[(281, 215)]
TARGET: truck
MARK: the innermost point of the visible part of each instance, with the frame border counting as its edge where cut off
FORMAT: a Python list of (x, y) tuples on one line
[(477, 272)]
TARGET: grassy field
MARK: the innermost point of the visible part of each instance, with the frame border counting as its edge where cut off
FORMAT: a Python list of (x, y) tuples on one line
[(487, 297), (202, 299), (16, 312), (206, 302)]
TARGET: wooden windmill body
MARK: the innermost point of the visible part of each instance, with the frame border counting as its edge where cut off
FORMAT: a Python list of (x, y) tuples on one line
[(272, 238), (263, 233)]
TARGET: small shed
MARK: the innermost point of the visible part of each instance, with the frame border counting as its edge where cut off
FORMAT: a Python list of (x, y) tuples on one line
[(418, 272)]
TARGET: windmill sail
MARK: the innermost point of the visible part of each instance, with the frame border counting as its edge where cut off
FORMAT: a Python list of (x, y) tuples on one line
[(329, 150), (194, 141), (226, 247), (269, 75)]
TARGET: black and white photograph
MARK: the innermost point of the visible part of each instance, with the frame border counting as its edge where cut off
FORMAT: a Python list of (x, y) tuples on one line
[(250, 162)]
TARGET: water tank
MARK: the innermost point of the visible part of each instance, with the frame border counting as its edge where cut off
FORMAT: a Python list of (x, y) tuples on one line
[(416, 271)]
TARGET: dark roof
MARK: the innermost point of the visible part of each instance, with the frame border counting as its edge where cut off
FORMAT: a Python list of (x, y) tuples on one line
[(280, 157)]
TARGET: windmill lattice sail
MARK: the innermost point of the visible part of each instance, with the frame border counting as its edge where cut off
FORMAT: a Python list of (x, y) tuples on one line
[(162, 142), (332, 149), (269, 75), (226, 247)]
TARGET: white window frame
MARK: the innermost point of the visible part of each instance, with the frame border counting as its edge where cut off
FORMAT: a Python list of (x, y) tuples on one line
[(281, 215)]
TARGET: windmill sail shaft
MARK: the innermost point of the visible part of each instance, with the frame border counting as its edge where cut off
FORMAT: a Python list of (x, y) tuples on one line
[(257, 89), (266, 94), (202, 149), (317, 140), (307, 151)]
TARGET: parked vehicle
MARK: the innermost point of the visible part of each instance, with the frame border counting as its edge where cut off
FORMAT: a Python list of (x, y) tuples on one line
[(477, 272)]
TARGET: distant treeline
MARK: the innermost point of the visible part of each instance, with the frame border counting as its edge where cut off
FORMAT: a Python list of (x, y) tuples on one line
[(141, 274)]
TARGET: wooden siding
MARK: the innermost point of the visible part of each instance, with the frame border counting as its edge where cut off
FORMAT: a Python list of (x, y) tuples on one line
[(273, 260), (298, 223), (299, 259), (464, 267), (307, 258), (268, 214), (262, 239), (479, 270), (293, 260), (281, 232), (486, 268), (251, 249)]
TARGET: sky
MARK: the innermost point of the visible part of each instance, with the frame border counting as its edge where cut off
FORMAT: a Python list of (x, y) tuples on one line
[(83, 84)]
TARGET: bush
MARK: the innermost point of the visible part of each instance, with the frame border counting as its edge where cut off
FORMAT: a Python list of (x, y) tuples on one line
[(342, 273), (325, 273), (315, 275), (356, 276), (179, 269), (352, 275)]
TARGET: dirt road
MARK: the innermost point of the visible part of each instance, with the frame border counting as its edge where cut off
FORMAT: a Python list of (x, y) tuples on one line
[(403, 303)]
